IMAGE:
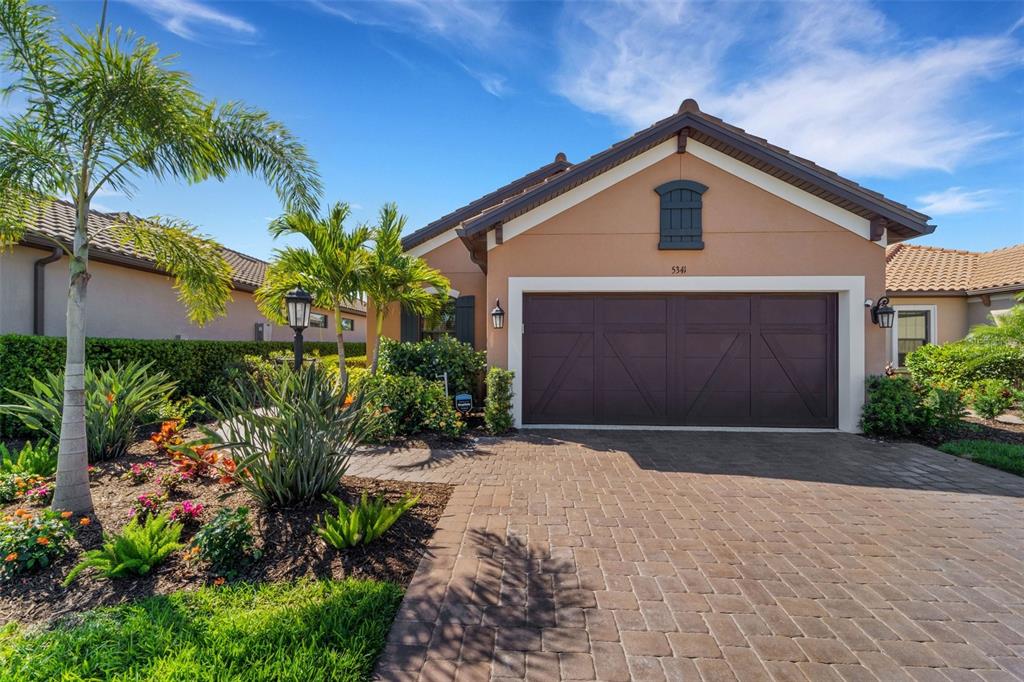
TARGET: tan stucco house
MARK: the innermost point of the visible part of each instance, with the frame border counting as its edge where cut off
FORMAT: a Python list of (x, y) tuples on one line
[(690, 276), (129, 296), (939, 294)]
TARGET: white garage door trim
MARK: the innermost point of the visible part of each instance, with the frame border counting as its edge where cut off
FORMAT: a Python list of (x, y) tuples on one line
[(850, 334)]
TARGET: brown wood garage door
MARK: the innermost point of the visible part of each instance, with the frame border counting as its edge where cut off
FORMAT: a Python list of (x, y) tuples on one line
[(680, 359)]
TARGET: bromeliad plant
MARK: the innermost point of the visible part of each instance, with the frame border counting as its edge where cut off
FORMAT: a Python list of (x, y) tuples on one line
[(118, 400), (294, 449), (29, 541), (137, 549), (362, 523)]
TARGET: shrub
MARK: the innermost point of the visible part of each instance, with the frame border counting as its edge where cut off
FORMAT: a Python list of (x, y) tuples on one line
[(29, 541), (991, 397), (944, 408), (364, 522), (139, 547), (1006, 456), (498, 404), (40, 494), (198, 366), (402, 405), (893, 408), (138, 474), (32, 460), (147, 505), (297, 448), (959, 365), (8, 488), (431, 359), (171, 481), (187, 512), (226, 541), (17, 487), (118, 400)]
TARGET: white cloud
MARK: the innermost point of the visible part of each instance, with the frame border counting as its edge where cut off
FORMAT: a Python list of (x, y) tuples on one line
[(184, 17), (458, 21), (493, 83), (832, 82), (956, 200)]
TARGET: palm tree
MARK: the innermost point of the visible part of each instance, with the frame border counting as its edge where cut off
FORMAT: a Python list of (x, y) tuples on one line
[(103, 109), (331, 271), (393, 276), (1007, 329)]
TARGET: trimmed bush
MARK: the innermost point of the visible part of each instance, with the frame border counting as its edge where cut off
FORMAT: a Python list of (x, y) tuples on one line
[(198, 366), (961, 364), (893, 408), (402, 405), (498, 404), (431, 359), (991, 397)]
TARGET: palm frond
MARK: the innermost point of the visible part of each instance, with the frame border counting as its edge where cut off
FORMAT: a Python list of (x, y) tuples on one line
[(201, 274), (28, 48)]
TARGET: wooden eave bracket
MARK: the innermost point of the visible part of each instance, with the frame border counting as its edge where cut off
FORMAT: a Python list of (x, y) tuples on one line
[(683, 134), (878, 227), (477, 246)]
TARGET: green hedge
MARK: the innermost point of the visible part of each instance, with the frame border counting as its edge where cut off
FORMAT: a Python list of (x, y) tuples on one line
[(961, 364), (195, 365)]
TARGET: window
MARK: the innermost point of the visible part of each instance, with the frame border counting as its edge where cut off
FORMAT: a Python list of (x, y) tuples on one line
[(347, 324), (442, 325), (318, 320), (913, 330), (680, 226)]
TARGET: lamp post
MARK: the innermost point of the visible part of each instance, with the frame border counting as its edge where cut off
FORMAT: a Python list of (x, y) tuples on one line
[(299, 303), (498, 315)]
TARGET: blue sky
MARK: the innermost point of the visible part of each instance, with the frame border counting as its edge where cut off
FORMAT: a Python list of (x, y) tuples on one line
[(433, 104)]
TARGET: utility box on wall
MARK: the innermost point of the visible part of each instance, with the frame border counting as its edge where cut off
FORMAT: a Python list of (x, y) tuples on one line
[(263, 331)]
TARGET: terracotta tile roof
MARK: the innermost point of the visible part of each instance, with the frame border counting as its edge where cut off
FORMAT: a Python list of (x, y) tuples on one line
[(930, 268), (58, 221)]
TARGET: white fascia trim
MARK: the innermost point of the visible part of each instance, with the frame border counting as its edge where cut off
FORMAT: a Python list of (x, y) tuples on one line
[(933, 327), (426, 247), (581, 193), (783, 190), (850, 332)]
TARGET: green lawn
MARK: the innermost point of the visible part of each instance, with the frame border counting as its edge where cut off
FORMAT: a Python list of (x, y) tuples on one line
[(1005, 456), (304, 631)]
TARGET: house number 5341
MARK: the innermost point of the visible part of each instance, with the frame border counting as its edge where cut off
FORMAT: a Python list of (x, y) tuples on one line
[(678, 269)]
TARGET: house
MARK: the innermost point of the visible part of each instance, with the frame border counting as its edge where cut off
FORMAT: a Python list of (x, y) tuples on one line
[(939, 294), (129, 296), (692, 275)]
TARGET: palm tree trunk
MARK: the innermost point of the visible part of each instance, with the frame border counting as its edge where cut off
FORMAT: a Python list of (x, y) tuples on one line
[(342, 372), (72, 490), (376, 343)]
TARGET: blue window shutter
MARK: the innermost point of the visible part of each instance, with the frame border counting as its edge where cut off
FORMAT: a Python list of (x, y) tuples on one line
[(465, 324), (680, 216)]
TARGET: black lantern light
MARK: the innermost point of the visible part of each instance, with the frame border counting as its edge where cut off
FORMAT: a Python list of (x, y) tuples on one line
[(299, 304), (498, 315), (882, 313)]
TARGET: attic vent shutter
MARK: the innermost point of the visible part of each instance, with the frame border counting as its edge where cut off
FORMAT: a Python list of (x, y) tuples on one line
[(680, 215), (464, 322), (410, 327)]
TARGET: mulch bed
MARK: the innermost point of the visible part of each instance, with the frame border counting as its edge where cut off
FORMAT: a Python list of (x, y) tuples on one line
[(976, 428), (290, 547)]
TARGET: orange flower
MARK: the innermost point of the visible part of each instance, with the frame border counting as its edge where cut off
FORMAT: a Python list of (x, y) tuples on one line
[(13, 556), (84, 521), (66, 515), (42, 540), (218, 581), (110, 397)]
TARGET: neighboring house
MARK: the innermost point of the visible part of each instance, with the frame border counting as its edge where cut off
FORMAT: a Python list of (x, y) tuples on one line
[(691, 275), (939, 294), (129, 297)]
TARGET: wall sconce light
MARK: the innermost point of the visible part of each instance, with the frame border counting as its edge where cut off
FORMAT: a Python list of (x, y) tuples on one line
[(882, 313), (498, 315)]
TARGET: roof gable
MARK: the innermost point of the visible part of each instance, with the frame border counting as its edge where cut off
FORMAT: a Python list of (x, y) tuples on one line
[(884, 215)]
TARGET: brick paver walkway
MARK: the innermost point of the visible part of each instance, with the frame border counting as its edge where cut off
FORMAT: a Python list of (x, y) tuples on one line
[(712, 556)]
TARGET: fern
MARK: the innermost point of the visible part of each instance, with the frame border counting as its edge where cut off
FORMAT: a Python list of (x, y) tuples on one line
[(363, 523), (136, 549)]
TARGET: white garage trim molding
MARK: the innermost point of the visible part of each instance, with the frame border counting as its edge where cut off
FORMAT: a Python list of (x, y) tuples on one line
[(850, 330)]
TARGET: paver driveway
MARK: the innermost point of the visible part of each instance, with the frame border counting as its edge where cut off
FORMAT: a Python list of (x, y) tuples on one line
[(714, 556)]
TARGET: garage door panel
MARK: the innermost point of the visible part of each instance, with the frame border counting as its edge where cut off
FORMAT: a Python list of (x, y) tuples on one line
[(700, 359)]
